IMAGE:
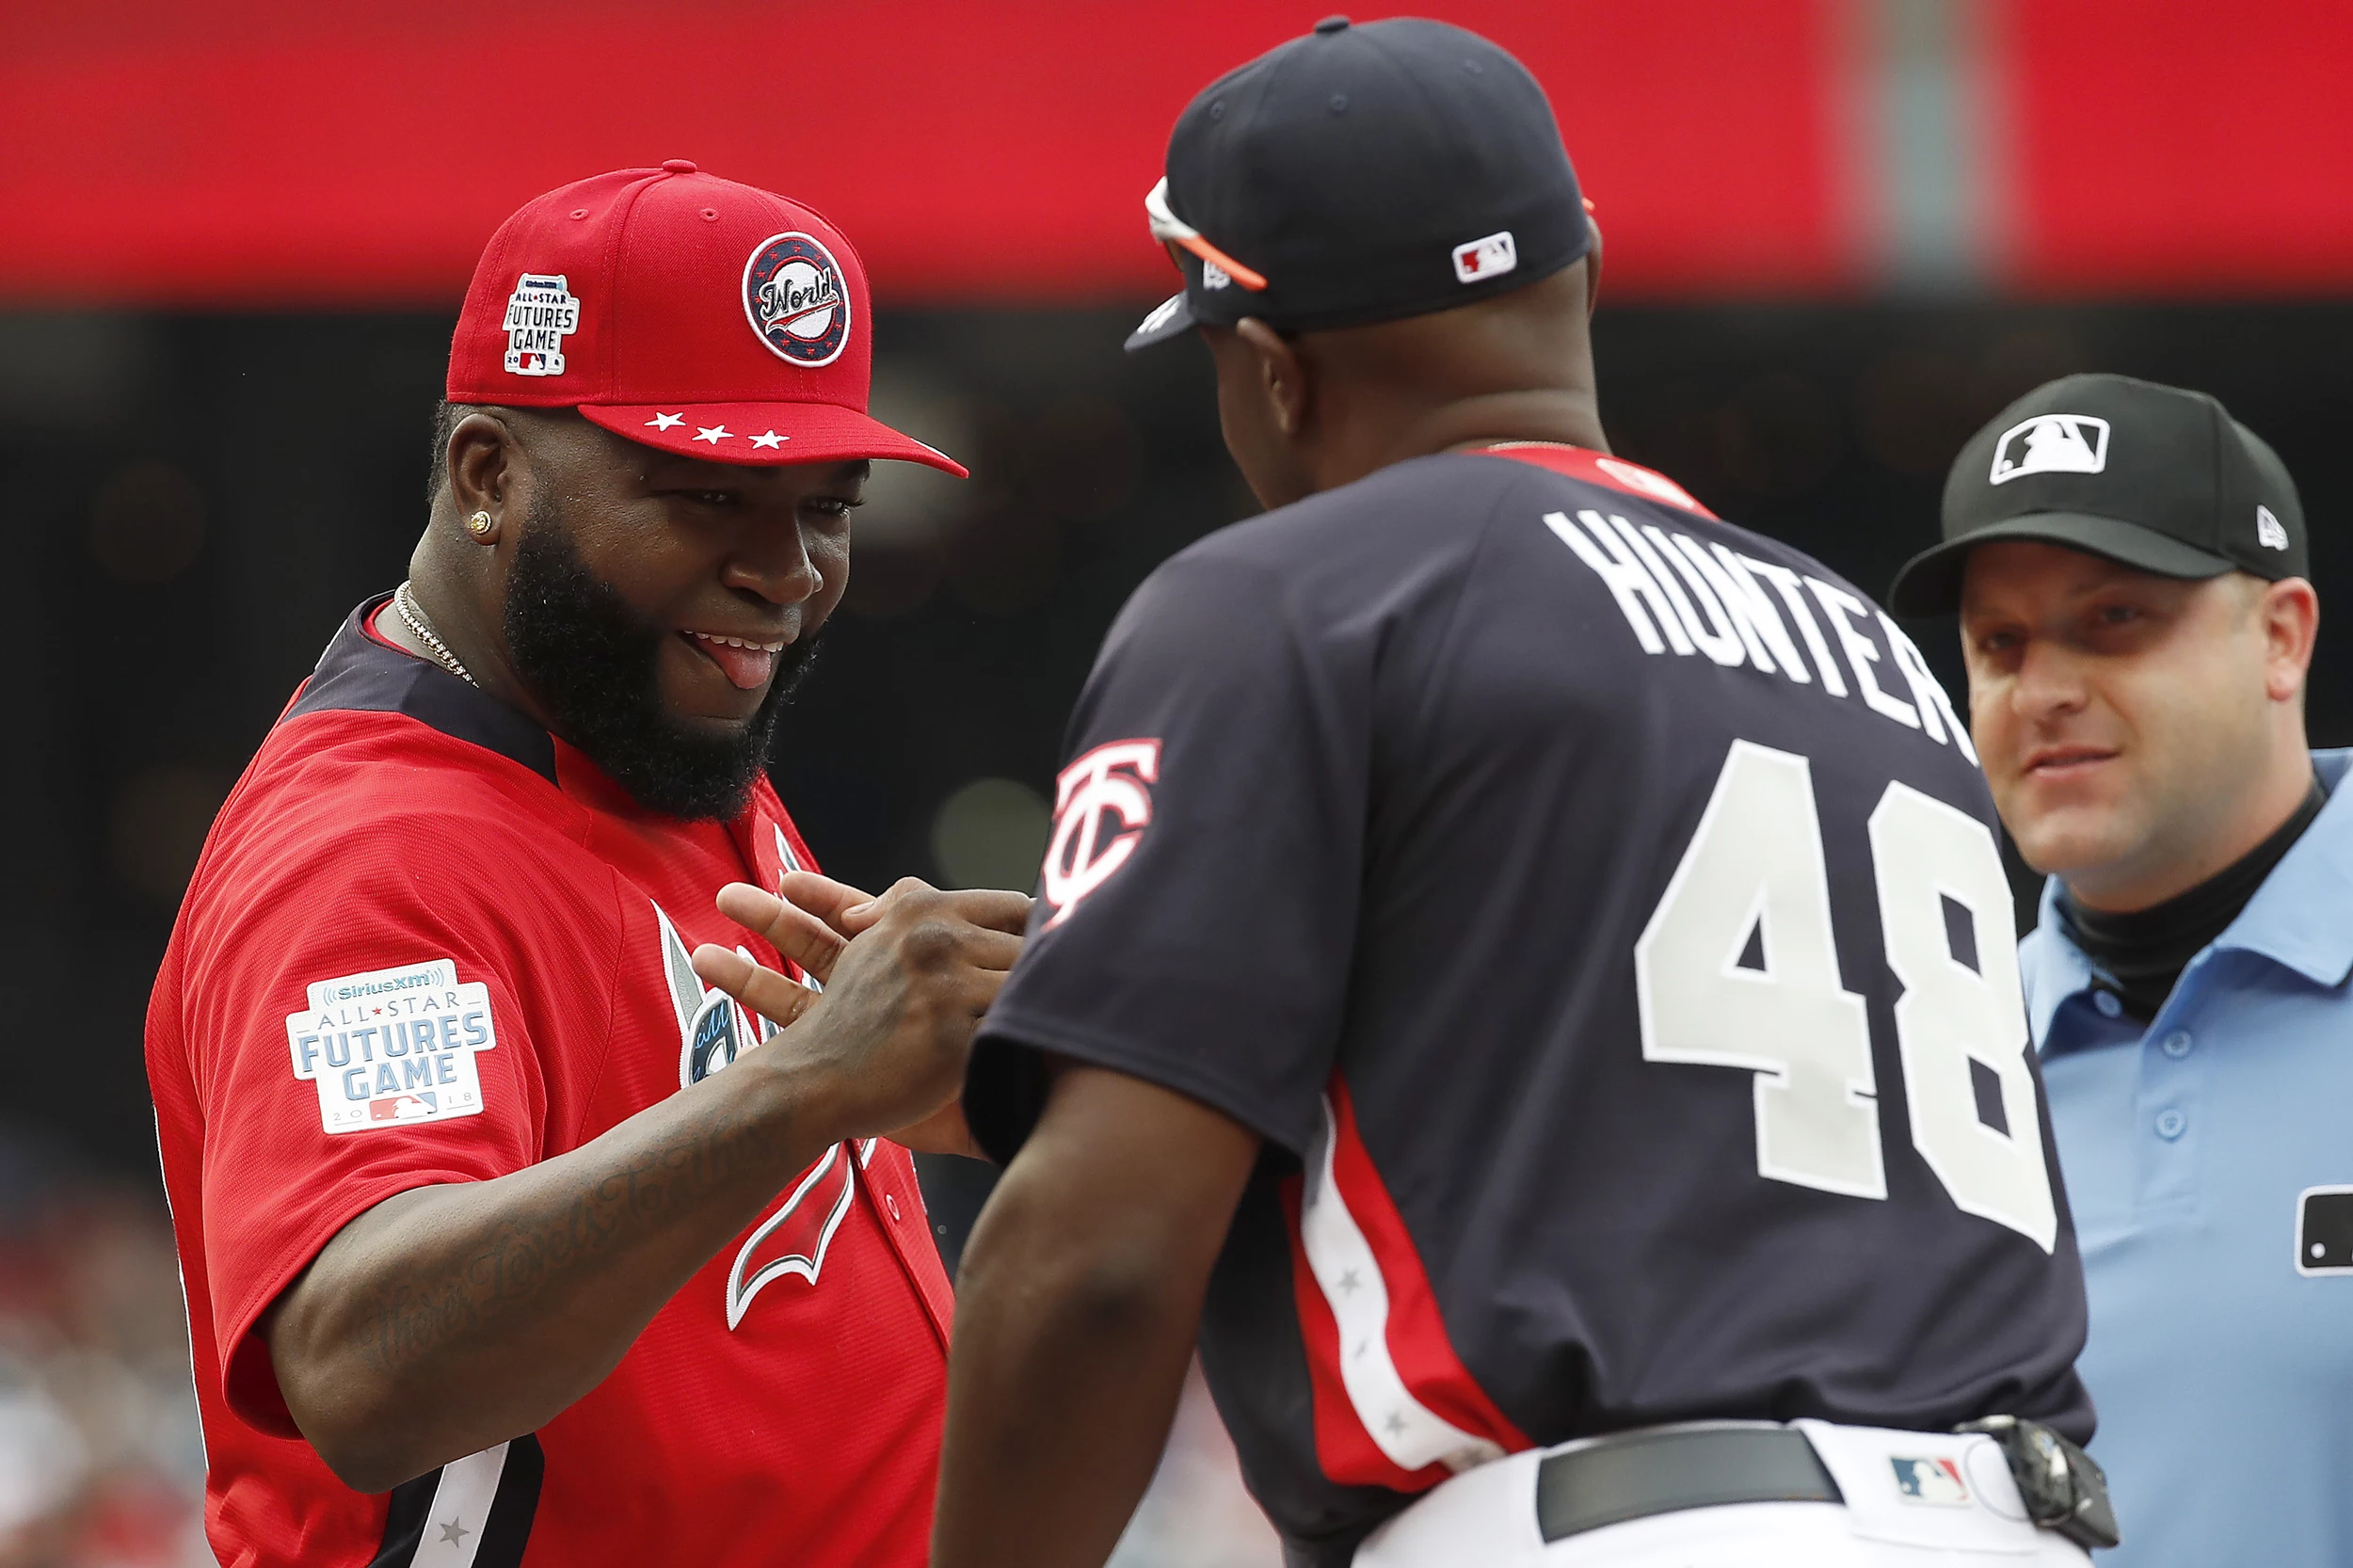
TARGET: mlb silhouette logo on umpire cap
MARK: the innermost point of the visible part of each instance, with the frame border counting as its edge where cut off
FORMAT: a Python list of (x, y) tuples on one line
[(2050, 443)]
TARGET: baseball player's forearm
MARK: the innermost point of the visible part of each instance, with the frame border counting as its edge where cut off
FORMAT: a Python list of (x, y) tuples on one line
[(1078, 1305), (456, 1316), (453, 1317)]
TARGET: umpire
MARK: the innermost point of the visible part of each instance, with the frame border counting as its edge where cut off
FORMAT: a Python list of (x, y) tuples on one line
[(2128, 563)]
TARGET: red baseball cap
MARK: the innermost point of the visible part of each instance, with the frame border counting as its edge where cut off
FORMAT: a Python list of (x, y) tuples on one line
[(683, 310)]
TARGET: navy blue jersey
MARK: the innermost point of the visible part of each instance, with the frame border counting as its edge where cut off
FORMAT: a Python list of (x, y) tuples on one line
[(1595, 908)]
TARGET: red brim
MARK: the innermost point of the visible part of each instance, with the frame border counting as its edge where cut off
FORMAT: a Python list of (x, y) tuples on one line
[(766, 434)]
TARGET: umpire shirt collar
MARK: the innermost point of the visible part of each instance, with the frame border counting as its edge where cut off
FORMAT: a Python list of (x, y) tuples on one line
[(2293, 919)]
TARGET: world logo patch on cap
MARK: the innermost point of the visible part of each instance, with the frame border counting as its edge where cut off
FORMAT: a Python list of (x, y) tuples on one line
[(795, 298)]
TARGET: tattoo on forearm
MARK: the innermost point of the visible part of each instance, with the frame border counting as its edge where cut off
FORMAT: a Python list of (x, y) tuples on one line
[(522, 1257)]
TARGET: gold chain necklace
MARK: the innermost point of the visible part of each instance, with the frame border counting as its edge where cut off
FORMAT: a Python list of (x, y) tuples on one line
[(404, 604)]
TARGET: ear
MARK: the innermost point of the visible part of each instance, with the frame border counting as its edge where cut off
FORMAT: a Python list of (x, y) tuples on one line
[(2289, 613), (482, 451), (1282, 378)]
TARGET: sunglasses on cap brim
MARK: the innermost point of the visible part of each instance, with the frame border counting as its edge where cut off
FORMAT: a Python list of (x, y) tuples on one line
[(1175, 235)]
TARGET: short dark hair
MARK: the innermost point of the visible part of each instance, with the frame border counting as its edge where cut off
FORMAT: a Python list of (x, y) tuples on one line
[(446, 417)]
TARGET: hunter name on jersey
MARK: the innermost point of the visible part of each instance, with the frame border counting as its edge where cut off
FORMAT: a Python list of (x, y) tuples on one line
[(393, 1046), (1720, 609), (1622, 973)]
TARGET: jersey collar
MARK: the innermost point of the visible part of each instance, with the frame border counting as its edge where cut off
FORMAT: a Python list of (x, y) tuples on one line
[(2285, 920), (2278, 923), (362, 673)]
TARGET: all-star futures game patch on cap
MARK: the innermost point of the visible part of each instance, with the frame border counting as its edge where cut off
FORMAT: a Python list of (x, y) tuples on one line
[(684, 311), (2159, 479), (1362, 174)]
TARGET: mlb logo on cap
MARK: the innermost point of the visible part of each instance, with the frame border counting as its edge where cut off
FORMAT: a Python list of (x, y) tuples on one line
[(682, 312), (2050, 443), (2159, 479), (1486, 258)]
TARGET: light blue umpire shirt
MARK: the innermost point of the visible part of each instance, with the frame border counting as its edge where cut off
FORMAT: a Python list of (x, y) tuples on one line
[(2220, 1356)]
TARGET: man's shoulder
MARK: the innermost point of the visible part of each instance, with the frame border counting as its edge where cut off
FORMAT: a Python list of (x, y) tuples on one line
[(1435, 508), (327, 776), (362, 687), (1416, 522), (344, 810), (374, 735), (1419, 504)]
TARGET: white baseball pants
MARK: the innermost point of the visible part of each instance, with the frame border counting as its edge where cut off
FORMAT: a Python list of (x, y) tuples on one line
[(1967, 1514)]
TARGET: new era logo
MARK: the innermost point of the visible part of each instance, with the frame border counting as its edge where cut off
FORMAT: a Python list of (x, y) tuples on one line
[(2050, 443), (2269, 531), (1486, 258)]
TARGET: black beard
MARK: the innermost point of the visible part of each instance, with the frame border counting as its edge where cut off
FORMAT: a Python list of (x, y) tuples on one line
[(589, 659)]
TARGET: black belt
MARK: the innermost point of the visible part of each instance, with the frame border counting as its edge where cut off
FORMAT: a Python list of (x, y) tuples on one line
[(1708, 1465), (1663, 1472)]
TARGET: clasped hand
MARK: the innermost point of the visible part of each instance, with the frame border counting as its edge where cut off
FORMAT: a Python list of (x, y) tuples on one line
[(906, 978)]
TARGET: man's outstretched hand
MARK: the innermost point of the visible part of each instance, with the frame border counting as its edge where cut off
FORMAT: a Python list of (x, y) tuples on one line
[(906, 978)]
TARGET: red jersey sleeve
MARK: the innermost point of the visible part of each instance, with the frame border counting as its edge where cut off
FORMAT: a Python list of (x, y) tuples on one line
[(408, 1005)]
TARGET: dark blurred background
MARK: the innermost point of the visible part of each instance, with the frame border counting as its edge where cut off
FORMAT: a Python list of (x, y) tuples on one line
[(1841, 234), (193, 515)]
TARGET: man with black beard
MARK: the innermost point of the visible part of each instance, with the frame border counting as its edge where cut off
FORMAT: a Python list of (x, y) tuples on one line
[(590, 659), (506, 1227)]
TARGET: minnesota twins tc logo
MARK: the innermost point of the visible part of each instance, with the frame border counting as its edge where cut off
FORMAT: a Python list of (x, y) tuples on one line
[(795, 300), (1108, 779)]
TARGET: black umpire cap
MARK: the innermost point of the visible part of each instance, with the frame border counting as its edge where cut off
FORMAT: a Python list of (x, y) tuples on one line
[(1362, 174), (2162, 480)]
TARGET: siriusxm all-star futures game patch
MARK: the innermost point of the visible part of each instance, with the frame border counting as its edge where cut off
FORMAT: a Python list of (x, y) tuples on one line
[(540, 314), (392, 1047)]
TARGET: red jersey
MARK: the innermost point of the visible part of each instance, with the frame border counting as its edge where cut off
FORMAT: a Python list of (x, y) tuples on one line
[(428, 942)]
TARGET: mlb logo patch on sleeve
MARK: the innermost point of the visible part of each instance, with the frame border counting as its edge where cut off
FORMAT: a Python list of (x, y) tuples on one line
[(393, 1046)]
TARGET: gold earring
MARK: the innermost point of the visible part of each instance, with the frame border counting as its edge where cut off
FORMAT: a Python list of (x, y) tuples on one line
[(479, 525)]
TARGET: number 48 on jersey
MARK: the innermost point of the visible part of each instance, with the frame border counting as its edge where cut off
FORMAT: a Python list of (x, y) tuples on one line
[(1754, 882)]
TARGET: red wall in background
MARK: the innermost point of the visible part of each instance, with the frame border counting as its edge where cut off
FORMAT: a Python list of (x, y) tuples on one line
[(212, 152), (2166, 146), (363, 152)]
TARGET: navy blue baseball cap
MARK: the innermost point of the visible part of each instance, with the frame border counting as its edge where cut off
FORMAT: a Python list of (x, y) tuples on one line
[(1363, 174)]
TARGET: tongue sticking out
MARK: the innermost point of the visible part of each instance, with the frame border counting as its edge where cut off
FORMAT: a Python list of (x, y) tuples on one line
[(748, 667)]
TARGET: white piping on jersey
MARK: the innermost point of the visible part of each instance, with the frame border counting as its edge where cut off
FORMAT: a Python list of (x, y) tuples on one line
[(1408, 1432), (740, 1289), (686, 987), (461, 1506), (1733, 623)]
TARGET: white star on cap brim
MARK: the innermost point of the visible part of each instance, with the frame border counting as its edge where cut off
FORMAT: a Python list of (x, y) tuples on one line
[(663, 422), (714, 434), (770, 440)]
